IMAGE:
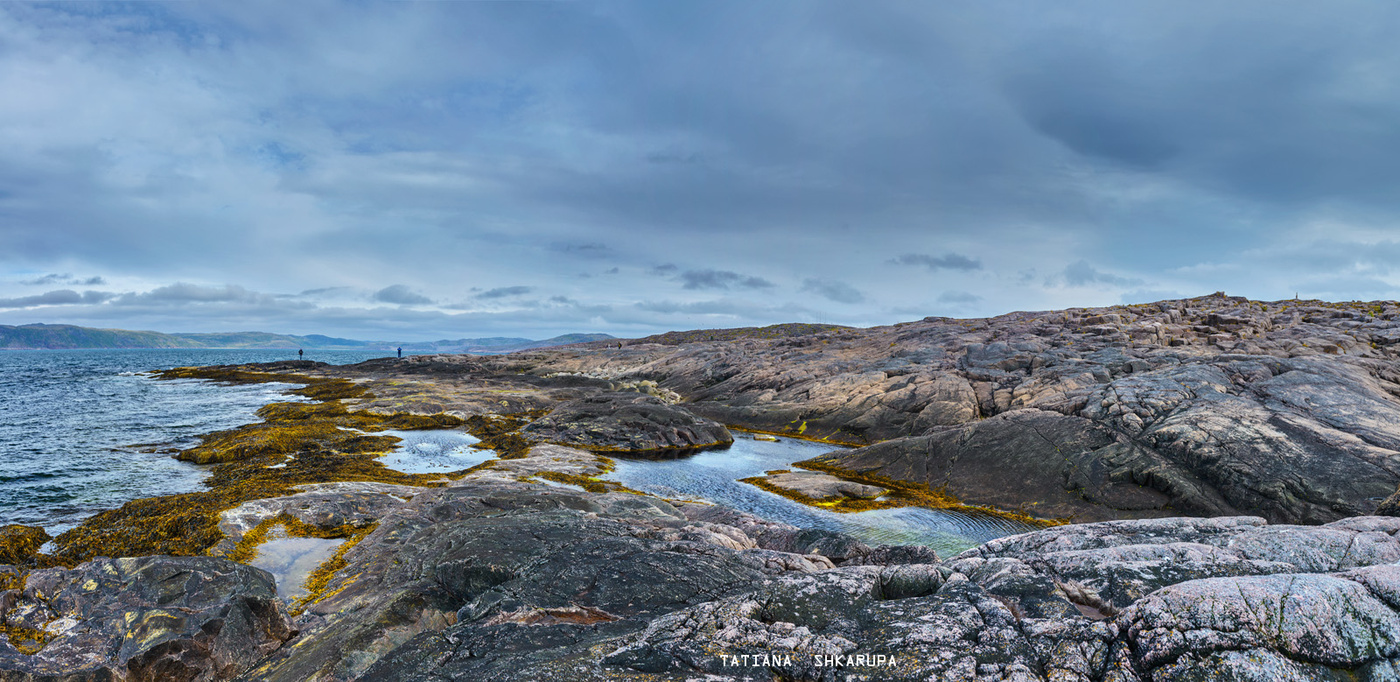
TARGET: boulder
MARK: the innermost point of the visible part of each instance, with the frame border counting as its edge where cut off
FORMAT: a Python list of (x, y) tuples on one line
[(627, 423), (144, 618)]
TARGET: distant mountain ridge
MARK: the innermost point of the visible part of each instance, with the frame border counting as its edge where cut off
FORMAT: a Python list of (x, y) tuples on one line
[(64, 336)]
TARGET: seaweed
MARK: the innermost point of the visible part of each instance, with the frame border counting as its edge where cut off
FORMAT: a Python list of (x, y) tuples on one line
[(902, 494), (306, 443), (502, 432)]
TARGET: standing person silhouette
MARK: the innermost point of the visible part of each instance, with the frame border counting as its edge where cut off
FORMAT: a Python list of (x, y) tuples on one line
[(300, 354), (400, 351)]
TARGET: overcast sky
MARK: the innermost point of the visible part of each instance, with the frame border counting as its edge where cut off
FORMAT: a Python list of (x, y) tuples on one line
[(456, 169)]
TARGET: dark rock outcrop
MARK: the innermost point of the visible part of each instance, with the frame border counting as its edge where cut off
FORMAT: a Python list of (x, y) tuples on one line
[(624, 423), (146, 618), (1129, 601)]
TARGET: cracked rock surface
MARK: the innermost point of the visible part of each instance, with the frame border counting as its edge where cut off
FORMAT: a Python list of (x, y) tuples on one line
[(145, 618), (1128, 601)]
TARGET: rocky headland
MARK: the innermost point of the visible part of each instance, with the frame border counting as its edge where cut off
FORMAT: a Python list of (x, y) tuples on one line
[(1220, 463)]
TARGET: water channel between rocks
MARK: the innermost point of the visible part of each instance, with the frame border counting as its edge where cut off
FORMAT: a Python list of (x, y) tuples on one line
[(713, 476)]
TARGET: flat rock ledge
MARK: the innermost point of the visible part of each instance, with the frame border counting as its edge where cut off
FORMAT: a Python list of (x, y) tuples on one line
[(822, 487), (624, 423)]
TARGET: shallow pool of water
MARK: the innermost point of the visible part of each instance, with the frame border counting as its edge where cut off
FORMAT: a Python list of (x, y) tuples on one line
[(435, 451), (713, 475), (291, 560)]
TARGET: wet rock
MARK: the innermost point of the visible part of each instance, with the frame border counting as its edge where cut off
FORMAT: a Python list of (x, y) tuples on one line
[(627, 423), (146, 618), (819, 486)]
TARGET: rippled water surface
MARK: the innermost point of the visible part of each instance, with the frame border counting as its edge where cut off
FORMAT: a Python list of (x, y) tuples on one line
[(85, 430), (713, 475), (435, 451)]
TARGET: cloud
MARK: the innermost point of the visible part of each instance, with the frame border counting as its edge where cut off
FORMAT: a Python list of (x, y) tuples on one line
[(958, 297), (182, 293), (57, 297), (329, 148), (54, 278), (832, 290), (504, 292), (587, 250), (665, 269), (323, 290), (721, 279), (950, 261), (400, 294), (1080, 273)]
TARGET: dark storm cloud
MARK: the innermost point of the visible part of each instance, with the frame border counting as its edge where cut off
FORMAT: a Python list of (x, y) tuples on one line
[(950, 261), (832, 290), (402, 295), (505, 292), (721, 279), (58, 297)]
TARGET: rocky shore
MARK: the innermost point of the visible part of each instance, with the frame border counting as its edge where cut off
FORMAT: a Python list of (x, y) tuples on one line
[(1223, 460)]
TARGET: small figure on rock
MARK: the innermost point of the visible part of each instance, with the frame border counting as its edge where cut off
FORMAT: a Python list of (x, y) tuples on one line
[(301, 354), (400, 351)]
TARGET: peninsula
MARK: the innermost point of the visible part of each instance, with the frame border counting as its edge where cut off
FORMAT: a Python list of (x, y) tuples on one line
[(1215, 479)]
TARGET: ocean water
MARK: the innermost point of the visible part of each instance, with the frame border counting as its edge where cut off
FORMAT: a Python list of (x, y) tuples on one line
[(86, 430)]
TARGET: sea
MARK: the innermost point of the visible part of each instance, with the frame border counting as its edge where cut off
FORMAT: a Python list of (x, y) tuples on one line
[(82, 431)]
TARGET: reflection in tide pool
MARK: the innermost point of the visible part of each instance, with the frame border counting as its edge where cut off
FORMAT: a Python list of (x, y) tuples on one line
[(435, 451), (713, 475), (291, 560)]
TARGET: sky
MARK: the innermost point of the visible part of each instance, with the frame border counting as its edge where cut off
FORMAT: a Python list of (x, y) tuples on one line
[(430, 170)]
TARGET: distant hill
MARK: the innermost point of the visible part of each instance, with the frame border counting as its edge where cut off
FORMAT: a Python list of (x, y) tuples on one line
[(63, 336)]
